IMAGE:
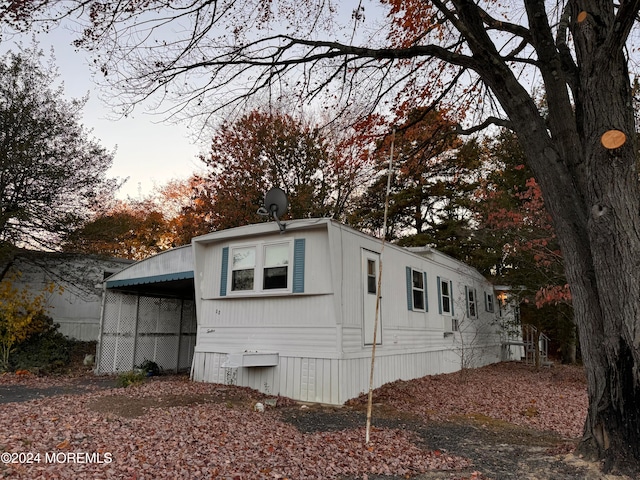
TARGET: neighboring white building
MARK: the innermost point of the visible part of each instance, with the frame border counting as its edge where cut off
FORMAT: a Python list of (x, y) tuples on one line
[(76, 302), (293, 313)]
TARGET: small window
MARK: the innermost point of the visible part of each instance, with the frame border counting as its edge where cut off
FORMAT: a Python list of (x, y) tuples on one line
[(417, 283), (445, 296), (243, 268), (276, 266), (489, 302), (455, 325), (371, 277), (472, 309)]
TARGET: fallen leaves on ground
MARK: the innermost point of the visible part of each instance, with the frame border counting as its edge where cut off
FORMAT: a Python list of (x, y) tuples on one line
[(552, 398), (226, 438)]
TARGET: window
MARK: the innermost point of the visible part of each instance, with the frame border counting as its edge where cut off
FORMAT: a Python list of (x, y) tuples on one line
[(371, 276), (488, 302), (472, 307), (417, 289), (444, 290), (417, 298), (455, 325), (243, 265), (276, 266)]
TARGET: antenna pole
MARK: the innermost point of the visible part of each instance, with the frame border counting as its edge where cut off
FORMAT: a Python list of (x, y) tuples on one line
[(378, 290)]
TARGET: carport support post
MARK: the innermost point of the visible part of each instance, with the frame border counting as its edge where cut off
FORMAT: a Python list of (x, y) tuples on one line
[(98, 357), (135, 332), (180, 334)]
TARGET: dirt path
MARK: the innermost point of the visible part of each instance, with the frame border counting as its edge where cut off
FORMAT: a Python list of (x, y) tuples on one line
[(498, 450), (23, 393)]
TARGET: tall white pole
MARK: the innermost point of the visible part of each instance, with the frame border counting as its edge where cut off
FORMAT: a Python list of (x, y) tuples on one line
[(377, 315)]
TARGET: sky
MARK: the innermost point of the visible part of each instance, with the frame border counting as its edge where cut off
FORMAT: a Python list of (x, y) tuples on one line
[(148, 152)]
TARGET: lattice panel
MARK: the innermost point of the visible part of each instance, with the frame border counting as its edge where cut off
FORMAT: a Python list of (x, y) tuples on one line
[(118, 329), (119, 313), (170, 315), (107, 353), (123, 361), (135, 329), (148, 315), (158, 330)]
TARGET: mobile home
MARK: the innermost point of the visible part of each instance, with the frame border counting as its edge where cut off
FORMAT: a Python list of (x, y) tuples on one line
[(296, 312)]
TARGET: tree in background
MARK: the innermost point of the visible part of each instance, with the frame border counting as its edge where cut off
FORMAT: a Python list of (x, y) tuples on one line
[(262, 150), (434, 176), (133, 230), (190, 211), (519, 242), (51, 171)]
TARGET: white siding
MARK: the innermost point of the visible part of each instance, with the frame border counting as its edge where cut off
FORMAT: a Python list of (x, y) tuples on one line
[(284, 340)]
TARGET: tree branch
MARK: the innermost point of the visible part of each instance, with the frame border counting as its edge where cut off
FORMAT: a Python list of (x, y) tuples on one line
[(500, 122)]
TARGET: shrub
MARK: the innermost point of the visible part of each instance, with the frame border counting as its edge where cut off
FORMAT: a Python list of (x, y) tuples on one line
[(130, 378), (46, 352)]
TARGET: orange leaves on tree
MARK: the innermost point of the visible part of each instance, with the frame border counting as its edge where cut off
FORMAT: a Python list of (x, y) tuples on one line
[(19, 312)]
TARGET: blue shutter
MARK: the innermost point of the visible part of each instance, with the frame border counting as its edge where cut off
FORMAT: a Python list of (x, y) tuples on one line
[(426, 296), (224, 272), (466, 300), (409, 290), (298, 265), (486, 302), (451, 295), (439, 296)]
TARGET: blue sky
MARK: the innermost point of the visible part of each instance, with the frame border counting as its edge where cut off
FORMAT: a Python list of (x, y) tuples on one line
[(149, 151)]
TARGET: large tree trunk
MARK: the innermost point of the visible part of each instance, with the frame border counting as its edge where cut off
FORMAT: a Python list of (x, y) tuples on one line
[(594, 199), (610, 335)]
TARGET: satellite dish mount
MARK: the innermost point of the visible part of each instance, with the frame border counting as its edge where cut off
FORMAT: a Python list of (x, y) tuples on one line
[(275, 204)]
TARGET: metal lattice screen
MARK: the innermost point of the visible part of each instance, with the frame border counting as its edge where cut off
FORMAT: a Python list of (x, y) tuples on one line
[(138, 328)]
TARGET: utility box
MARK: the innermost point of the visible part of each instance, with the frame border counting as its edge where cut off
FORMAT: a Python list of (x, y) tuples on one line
[(251, 359)]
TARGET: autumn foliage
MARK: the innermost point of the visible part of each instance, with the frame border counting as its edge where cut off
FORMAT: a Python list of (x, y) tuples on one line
[(20, 314)]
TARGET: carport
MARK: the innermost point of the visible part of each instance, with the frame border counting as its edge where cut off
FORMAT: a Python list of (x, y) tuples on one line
[(148, 313)]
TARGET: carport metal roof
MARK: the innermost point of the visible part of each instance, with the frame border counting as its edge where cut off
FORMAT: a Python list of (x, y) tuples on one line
[(169, 273)]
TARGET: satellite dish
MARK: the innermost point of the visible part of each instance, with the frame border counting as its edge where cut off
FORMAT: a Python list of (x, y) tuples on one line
[(275, 201), (275, 204)]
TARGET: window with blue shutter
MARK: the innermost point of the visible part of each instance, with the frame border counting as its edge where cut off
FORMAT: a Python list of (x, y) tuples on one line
[(488, 302), (445, 297), (269, 267)]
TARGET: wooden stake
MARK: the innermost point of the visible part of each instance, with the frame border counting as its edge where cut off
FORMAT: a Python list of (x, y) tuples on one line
[(377, 315)]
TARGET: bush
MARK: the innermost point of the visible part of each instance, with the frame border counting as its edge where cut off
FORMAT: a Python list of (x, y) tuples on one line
[(130, 378), (45, 353)]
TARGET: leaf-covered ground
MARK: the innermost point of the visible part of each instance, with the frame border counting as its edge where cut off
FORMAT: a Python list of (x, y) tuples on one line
[(173, 428)]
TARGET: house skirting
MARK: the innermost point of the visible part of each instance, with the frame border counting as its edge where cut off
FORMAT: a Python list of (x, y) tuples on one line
[(329, 380)]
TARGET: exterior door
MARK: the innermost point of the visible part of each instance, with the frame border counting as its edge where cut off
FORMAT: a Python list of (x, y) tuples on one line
[(370, 272)]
